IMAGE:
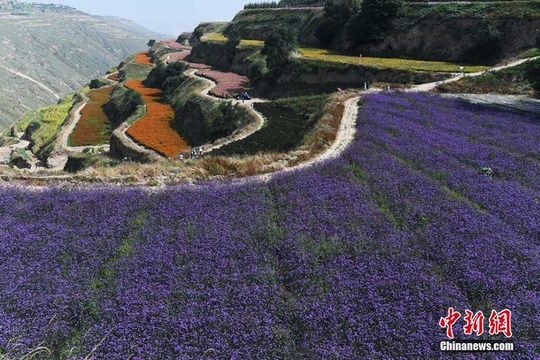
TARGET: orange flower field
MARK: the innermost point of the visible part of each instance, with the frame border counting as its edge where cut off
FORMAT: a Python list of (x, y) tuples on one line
[(143, 58), (155, 130), (114, 77), (94, 127)]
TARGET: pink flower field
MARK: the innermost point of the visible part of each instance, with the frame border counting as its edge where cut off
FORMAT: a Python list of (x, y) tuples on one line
[(172, 43), (228, 84), (179, 56), (198, 66)]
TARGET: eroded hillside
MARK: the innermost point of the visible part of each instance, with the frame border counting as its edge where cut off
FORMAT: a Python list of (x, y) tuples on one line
[(51, 50)]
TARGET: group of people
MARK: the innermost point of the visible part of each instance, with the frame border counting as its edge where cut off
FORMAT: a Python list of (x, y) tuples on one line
[(193, 153)]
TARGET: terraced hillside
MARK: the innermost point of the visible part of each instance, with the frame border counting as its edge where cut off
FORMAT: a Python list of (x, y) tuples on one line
[(50, 50)]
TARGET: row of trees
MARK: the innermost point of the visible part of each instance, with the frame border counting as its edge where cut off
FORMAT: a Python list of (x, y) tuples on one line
[(284, 3)]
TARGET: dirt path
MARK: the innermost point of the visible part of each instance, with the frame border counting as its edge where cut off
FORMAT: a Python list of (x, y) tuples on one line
[(59, 157), (240, 134), (344, 137), (5, 152), (24, 76), (433, 85)]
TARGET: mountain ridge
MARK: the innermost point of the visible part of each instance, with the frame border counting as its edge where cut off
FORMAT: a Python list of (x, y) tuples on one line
[(51, 50)]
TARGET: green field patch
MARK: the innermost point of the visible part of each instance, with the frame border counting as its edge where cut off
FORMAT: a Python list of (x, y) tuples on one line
[(287, 122), (42, 125)]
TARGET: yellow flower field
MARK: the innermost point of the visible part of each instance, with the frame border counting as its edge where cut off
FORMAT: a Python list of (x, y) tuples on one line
[(214, 37), (252, 42), (222, 38), (332, 56)]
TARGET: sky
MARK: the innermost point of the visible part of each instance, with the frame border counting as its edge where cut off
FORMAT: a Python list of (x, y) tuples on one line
[(163, 16)]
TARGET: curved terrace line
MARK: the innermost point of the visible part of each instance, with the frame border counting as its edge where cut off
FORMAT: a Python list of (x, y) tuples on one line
[(344, 136), (241, 133)]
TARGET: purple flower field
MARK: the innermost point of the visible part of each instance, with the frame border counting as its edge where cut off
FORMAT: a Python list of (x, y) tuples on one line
[(357, 258)]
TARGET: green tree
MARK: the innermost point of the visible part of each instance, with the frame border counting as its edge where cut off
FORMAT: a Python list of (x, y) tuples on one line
[(232, 43), (336, 14), (96, 84), (160, 73), (277, 49), (229, 118), (372, 21)]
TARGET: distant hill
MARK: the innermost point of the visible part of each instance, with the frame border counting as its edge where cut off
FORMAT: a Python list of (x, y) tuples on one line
[(50, 50)]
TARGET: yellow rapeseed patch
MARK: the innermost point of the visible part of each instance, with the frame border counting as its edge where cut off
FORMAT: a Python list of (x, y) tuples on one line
[(222, 38), (214, 37), (252, 42), (332, 56)]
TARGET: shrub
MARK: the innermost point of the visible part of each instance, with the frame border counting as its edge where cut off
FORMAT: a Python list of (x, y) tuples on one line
[(96, 84), (162, 72), (80, 161), (487, 41), (122, 104), (230, 117), (372, 22), (336, 15), (257, 70), (277, 49)]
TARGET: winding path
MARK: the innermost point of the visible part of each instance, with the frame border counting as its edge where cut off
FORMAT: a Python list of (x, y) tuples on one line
[(344, 136), (240, 134), (432, 85)]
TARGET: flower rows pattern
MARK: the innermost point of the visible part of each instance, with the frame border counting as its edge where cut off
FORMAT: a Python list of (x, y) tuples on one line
[(228, 84), (356, 258), (155, 129), (94, 127)]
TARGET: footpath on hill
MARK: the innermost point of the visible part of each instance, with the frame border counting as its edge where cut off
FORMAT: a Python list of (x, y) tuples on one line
[(59, 157), (344, 136), (248, 104), (515, 102)]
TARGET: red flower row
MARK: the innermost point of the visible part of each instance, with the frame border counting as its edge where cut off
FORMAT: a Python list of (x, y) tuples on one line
[(155, 130)]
